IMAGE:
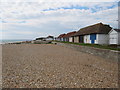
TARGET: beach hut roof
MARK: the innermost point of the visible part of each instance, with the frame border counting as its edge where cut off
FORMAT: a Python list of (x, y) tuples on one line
[(41, 38), (69, 34), (61, 35), (98, 28), (117, 30), (50, 37)]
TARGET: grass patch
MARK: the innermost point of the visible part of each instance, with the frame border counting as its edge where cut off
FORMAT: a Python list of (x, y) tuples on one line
[(43, 43), (93, 45)]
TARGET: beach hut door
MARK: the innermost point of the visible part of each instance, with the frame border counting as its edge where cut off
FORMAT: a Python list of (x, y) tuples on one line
[(93, 38)]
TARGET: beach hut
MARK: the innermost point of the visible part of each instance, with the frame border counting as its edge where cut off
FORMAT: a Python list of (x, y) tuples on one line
[(75, 38), (71, 39), (114, 36), (68, 37), (50, 38), (41, 39), (60, 37), (94, 34)]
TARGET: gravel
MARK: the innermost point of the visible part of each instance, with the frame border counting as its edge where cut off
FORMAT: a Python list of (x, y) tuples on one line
[(0, 66), (53, 66)]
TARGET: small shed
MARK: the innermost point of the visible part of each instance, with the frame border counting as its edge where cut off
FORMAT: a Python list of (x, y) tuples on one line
[(50, 38), (114, 36)]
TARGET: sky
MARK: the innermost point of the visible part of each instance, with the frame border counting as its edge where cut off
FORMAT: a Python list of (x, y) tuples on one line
[(28, 19)]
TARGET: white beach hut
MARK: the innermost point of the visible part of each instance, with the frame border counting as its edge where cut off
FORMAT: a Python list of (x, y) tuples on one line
[(114, 36), (94, 34), (50, 38)]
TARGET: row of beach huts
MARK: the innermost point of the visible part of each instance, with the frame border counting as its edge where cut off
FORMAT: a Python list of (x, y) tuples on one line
[(95, 34)]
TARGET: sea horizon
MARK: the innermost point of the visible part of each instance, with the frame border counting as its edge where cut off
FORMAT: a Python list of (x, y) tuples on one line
[(3, 41)]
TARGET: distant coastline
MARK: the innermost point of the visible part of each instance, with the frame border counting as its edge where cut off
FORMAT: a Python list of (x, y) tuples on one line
[(5, 41)]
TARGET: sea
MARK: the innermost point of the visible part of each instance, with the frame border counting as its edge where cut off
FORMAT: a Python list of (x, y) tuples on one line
[(4, 41)]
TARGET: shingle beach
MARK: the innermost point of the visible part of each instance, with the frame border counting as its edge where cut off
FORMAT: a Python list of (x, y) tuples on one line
[(54, 66)]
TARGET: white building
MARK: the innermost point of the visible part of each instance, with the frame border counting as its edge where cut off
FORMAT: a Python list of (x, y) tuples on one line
[(60, 37), (94, 34), (99, 39), (50, 38), (70, 39), (87, 39), (114, 36)]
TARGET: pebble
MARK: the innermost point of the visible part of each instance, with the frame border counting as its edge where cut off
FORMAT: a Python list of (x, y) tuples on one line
[(53, 66)]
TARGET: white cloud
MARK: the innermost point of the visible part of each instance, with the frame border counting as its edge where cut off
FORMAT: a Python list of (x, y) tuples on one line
[(38, 22), (58, 0)]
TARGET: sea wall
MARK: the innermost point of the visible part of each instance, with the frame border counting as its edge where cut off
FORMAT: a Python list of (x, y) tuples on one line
[(111, 55)]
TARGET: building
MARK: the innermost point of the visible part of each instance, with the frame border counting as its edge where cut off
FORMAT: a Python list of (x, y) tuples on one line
[(41, 39), (114, 36), (38, 40), (94, 34), (60, 37), (50, 38), (68, 37)]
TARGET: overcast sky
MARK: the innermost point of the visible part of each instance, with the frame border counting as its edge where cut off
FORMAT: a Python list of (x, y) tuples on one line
[(28, 20)]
